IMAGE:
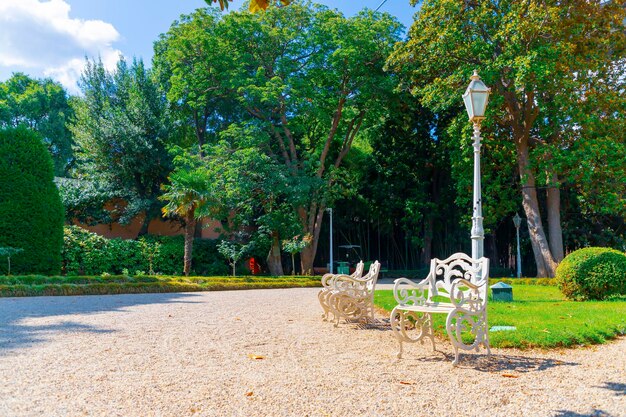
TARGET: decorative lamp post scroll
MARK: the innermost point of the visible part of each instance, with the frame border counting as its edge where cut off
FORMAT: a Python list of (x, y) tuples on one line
[(475, 99)]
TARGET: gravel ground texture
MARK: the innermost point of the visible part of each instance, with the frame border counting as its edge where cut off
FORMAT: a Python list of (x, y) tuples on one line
[(268, 353)]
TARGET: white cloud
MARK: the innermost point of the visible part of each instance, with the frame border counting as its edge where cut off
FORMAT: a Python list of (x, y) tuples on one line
[(37, 36)]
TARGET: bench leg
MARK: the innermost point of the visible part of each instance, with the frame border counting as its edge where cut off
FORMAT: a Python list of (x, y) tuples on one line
[(322, 296), (410, 327), (455, 362), (430, 333), (486, 334), (463, 321)]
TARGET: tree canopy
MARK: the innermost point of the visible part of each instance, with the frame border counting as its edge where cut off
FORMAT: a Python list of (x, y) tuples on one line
[(121, 130), (546, 61), (309, 83), (40, 105)]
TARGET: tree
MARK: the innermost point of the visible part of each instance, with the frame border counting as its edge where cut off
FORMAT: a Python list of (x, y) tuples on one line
[(31, 214), (8, 251), (41, 105), (233, 252), (310, 79), (121, 131), (543, 60), (293, 246), (187, 192)]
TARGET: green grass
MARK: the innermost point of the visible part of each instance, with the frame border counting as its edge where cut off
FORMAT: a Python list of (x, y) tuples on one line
[(37, 285), (543, 318)]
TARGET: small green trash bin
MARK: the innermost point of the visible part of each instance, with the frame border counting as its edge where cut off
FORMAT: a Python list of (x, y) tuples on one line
[(501, 292), (343, 268)]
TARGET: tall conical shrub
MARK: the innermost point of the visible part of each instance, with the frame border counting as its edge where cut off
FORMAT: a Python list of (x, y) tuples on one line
[(31, 212)]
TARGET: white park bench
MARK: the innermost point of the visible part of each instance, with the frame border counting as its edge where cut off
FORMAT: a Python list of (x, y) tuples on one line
[(353, 298), (327, 287), (456, 286)]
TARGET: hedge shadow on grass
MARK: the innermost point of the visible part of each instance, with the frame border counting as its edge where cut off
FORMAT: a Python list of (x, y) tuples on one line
[(15, 334)]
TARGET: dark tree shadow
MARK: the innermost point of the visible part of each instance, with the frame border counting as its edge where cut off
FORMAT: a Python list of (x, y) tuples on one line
[(594, 413), (15, 334), (617, 387)]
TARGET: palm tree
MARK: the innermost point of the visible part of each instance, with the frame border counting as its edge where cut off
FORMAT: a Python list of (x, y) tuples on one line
[(186, 193)]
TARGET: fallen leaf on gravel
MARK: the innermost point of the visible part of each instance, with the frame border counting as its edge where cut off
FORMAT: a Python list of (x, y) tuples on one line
[(407, 383), (251, 356), (249, 394), (237, 318), (510, 376)]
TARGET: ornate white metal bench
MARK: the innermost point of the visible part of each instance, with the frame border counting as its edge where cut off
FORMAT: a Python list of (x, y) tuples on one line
[(327, 283), (456, 286), (353, 298)]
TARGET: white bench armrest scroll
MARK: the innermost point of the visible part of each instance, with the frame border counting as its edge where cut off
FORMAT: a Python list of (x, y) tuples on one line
[(407, 292)]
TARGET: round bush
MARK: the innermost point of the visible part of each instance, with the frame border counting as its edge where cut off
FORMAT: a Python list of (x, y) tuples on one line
[(592, 274), (31, 213)]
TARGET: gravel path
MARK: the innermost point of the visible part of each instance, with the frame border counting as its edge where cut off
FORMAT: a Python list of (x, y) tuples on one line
[(193, 354)]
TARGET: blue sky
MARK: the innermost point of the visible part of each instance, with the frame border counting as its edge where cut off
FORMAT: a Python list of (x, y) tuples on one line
[(50, 38)]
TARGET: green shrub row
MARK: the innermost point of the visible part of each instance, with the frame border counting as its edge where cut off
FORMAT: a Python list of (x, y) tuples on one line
[(86, 253), (27, 286), (524, 281)]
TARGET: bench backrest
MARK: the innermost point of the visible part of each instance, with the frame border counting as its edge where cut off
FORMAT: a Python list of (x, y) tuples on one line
[(372, 275), (444, 274), (358, 272)]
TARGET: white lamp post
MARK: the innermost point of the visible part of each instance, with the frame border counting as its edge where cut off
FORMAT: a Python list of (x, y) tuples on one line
[(330, 210), (475, 99), (517, 221)]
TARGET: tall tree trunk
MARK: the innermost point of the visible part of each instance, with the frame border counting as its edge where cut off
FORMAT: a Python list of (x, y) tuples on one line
[(274, 261), (546, 265), (307, 256), (555, 232), (143, 230), (190, 228), (312, 222)]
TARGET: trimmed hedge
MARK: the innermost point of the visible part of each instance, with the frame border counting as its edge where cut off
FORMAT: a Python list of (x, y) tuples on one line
[(37, 285), (31, 213), (87, 253), (547, 282), (592, 274)]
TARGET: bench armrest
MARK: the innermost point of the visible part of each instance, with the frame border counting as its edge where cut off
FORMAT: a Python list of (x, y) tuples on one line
[(343, 282), (467, 298), (407, 292), (327, 280)]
